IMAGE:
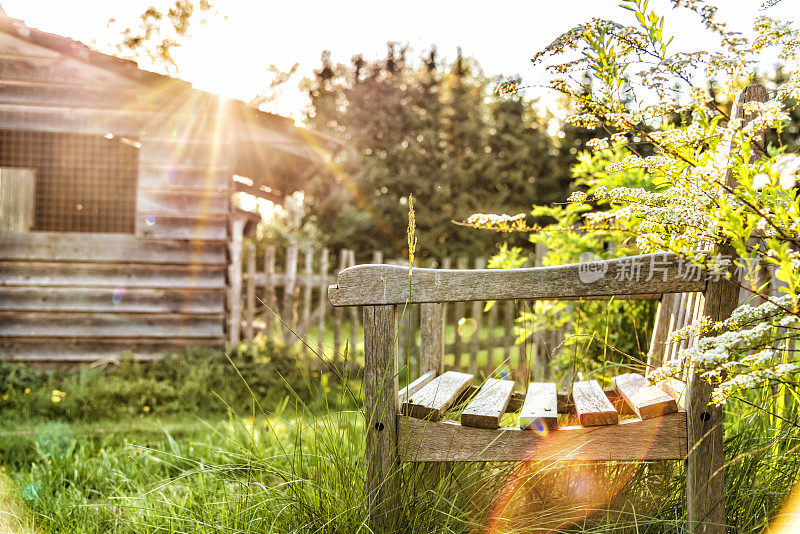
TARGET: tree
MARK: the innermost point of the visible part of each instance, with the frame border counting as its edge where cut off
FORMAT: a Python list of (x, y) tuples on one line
[(685, 198), (151, 41), (434, 130)]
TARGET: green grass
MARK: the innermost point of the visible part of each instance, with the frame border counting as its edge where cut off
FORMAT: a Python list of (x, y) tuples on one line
[(290, 469), (284, 452), (495, 359)]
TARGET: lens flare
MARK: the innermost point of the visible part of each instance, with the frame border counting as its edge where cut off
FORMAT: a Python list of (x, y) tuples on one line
[(555, 494), (30, 492), (150, 220), (787, 520), (467, 327), (538, 425), (118, 294), (55, 440)]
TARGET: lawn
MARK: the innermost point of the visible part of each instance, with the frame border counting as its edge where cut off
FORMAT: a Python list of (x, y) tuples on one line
[(297, 466)]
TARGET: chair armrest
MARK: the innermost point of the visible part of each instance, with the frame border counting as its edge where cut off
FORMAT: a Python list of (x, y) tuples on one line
[(376, 285)]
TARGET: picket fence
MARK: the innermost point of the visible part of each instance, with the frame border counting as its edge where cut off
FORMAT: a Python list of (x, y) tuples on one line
[(289, 302)]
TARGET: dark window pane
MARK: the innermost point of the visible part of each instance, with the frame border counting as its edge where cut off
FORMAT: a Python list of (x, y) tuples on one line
[(84, 183)]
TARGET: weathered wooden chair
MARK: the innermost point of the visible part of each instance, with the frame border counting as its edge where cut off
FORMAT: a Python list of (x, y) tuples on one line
[(671, 421)]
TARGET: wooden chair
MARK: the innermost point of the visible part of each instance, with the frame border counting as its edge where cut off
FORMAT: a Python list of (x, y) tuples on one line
[(672, 421)]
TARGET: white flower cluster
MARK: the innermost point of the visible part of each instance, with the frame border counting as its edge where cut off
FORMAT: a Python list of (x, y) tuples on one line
[(747, 314), (680, 137), (493, 218), (769, 114), (577, 197), (783, 372), (499, 223), (787, 168), (670, 369), (695, 329), (598, 143), (590, 121), (761, 358), (790, 89), (711, 352)]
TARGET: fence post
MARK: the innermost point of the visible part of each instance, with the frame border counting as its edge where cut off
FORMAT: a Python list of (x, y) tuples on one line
[(508, 329), (251, 294), (307, 285), (235, 283), (447, 262), (542, 371), (523, 364), (288, 294), (323, 299), (338, 312), (269, 289), (353, 315)]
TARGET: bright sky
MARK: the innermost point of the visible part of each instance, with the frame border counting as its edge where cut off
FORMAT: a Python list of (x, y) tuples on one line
[(231, 56)]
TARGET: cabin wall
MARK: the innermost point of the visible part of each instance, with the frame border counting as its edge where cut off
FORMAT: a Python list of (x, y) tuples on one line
[(83, 296), (80, 297)]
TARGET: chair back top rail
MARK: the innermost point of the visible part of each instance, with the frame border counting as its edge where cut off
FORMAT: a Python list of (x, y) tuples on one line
[(376, 285)]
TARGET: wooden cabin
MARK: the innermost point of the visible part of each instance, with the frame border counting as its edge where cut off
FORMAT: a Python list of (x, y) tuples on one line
[(118, 229)]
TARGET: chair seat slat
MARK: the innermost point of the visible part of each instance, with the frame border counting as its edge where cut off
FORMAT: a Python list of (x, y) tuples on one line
[(540, 409), (646, 400), (437, 396), (592, 405), (416, 385), (488, 406)]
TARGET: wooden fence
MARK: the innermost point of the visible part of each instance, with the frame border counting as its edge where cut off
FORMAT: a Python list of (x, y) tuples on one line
[(289, 302)]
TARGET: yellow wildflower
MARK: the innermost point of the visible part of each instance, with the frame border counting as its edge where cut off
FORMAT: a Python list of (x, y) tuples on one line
[(27, 390), (5, 397), (56, 399), (145, 408)]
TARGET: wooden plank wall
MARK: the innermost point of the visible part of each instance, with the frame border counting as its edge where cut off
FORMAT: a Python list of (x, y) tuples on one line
[(80, 297)]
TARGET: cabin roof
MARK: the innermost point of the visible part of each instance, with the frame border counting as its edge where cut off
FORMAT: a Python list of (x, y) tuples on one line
[(276, 155)]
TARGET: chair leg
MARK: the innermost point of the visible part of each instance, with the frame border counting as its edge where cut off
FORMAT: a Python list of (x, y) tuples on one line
[(381, 406), (705, 481)]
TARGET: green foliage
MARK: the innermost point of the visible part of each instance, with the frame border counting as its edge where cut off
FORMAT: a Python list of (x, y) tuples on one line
[(433, 130), (301, 470), (680, 175), (290, 224), (197, 382), (599, 333), (157, 32)]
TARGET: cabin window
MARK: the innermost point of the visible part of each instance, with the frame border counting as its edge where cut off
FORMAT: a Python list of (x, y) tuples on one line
[(16, 199), (65, 182)]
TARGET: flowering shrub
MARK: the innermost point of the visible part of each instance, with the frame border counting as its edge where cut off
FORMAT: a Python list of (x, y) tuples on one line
[(710, 181)]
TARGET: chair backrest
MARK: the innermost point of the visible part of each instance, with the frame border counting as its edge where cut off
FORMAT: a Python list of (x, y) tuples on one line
[(675, 311)]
